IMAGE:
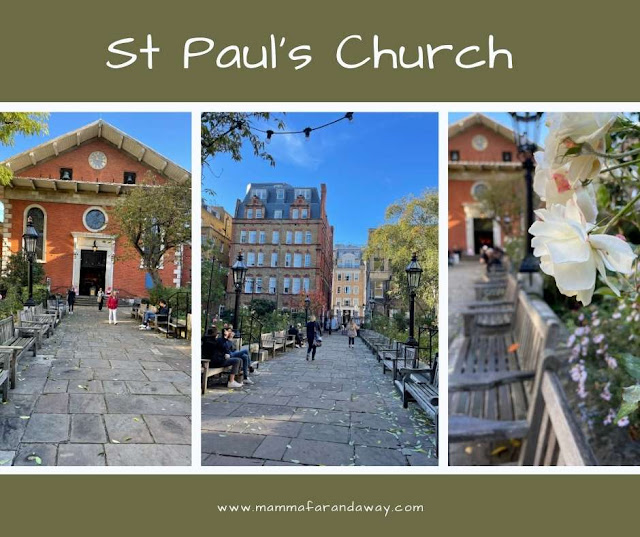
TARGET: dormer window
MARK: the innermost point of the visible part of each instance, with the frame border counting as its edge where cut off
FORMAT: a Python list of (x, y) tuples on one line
[(249, 213), (260, 193), (304, 192), (280, 194), (66, 174)]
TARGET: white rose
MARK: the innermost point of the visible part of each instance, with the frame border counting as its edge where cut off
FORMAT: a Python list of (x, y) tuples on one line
[(555, 186), (566, 130), (572, 255)]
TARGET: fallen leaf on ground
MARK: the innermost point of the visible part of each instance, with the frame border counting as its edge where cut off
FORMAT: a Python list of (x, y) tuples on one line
[(514, 347)]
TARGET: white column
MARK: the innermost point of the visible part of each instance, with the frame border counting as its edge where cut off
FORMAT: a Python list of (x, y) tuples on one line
[(471, 244), (497, 234)]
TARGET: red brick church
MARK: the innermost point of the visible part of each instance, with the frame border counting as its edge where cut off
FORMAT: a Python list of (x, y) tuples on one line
[(68, 186), (481, 151)]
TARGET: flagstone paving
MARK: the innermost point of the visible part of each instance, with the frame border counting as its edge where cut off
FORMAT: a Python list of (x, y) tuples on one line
[(99, 394), (339, 410)]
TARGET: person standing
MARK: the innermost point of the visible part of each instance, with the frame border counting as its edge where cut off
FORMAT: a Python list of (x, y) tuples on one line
[(100, 299), (71, 299), (313, 332), (352, 332), (112, 306)]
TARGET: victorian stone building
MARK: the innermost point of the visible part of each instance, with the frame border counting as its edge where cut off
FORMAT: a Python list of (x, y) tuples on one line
[(284, 235), (216, 231), (378, 278), (481, 152), (349, 282), (68, 186)]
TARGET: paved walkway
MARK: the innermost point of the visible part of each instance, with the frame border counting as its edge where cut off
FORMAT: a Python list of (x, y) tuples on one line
[(461, 278), (98, 394), (338, 410)]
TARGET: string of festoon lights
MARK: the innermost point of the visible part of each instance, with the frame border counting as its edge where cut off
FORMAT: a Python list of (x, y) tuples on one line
[(271, 133), (307, 130)]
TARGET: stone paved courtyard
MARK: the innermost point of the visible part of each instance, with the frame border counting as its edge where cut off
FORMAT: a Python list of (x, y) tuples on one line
[(339, 410), (98, 394), (461, 278)]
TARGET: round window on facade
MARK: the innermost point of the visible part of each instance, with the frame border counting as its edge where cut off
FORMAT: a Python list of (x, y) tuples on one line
[(478, 190), (95, 220)]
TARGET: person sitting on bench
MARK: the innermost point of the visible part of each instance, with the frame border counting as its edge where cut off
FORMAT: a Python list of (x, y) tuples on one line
[(214, 349), (243, 354), (148, 315), (293, 331)]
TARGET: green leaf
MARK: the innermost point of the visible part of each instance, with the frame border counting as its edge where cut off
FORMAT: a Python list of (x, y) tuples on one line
[(604, 291), (34, 458), (630, 400), (631, 365)]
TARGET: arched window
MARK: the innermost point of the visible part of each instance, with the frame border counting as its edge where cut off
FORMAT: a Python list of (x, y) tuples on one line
[(39, 222)]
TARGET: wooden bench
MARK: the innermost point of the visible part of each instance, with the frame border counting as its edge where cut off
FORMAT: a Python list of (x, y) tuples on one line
[(280, 339), (208, 372), (389, 358), (267, 342), (420, 384), (554, 438), (15, 342), (490, 383), (40, 313), (41, 327), (495, 311), (135, 308)]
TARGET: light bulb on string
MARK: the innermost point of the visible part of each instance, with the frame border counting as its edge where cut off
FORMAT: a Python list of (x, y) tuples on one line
[(307, 133), (269, 135), (349, 116)]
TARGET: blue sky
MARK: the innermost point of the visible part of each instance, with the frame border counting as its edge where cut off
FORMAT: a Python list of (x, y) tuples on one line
[(366, 164), (167, 133)]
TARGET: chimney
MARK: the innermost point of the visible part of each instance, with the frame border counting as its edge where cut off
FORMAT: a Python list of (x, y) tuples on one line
[(323, 199)]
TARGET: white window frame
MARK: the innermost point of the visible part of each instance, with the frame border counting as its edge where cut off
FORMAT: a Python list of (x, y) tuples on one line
[(44, 230)]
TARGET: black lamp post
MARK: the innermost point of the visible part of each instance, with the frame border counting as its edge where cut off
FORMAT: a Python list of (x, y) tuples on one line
[(239, 270), (526, 127), (414, 272), (307, 303), (30, 243), (206, 317), (372, 308)]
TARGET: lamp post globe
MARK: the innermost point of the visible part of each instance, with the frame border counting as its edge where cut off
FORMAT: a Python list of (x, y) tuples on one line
[(414, 273), (526, 128), (239, 271), (30, 244)]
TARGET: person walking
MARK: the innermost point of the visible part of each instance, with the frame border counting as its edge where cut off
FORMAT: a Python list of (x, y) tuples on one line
[(313, 335), (352, 332), (71, 299), (112, 306), (100, 299)]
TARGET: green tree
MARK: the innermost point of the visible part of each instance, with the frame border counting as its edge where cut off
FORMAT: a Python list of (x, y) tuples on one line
[(17, 273), (213, 278), (223, 132), (13, 123), (411, 225), (155, 220)]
